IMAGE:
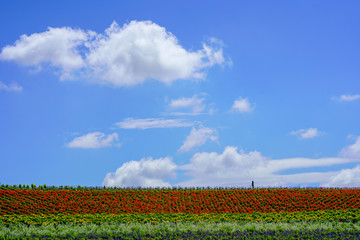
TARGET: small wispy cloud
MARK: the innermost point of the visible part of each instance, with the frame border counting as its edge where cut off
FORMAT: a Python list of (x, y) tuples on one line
[(94, 140), (195, 103), (191, 105), (198, 137), (346, 98), (146, 123), (307, 133), (14, 87), (242, 105)]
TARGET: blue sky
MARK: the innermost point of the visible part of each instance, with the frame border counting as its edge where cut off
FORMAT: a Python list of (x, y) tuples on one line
[(180, 93)]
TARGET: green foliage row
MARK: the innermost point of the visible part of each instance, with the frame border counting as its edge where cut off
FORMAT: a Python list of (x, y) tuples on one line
[(351, 215)]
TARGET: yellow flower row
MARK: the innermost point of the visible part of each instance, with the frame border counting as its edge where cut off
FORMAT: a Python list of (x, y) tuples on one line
[(42, 219)]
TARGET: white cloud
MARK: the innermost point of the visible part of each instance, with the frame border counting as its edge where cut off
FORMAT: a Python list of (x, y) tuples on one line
[(352, 151), (307, 133), (345, 178), (143, 173), (346, 98), (14, 87), (141, 50), (198, 137), (291, 163), (94, 140), (127, 55), (242, 105), (146, 123), (56, 46), (233, 168)]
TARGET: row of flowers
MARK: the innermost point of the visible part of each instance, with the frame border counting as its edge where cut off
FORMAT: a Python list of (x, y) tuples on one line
[(315, 216), (176, 201)]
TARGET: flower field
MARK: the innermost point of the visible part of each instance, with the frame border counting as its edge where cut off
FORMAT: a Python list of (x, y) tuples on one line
[(28, 201), (48, 206)]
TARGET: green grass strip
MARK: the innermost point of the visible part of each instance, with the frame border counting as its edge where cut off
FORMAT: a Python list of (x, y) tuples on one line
[(77, 229)]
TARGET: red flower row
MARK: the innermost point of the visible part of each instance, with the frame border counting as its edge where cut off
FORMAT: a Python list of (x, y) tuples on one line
[(176, 201)]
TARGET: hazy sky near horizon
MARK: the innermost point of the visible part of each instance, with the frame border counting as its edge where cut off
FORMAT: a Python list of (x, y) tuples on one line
[(180, 93)]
